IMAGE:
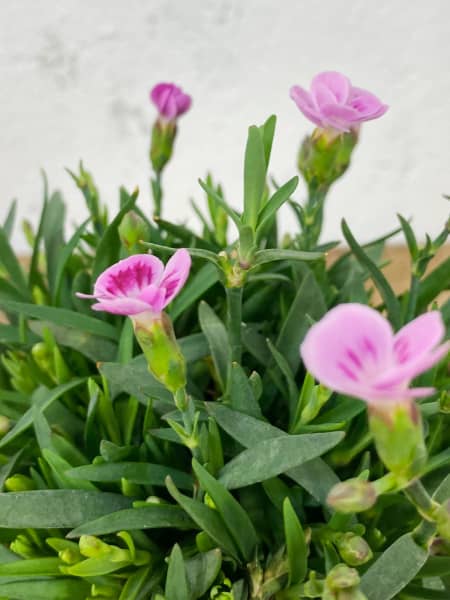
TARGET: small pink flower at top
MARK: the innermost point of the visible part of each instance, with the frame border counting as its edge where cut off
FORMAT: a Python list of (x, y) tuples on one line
[(140, 284), (170, 100), (333, 102), (354, 351)]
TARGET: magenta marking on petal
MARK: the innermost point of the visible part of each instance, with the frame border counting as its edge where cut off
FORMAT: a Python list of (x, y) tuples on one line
[(354, 358), (370, 347), (343, 367)]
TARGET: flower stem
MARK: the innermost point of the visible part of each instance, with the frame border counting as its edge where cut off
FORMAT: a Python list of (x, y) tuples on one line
[(412, 298), (157, 194), (418, 495), (234, 321)]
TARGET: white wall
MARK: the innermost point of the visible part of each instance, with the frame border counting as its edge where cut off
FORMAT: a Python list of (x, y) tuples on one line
[(75, 76)]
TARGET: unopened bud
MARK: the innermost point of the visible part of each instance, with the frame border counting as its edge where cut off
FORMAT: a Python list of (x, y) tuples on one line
[(325, 156), (163, 137), (19, 483), (354, 549), (93, 547), (353, 495), (43, 357), (444, 402), (342, 583), (398, 435), (164, 358), (69, 556), (23, 547), (132, 229), (5, 425)]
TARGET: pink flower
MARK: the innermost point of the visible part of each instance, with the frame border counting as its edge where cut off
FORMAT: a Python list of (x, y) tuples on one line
[(170, 100), (140, 284), (354, 351), (334, 103)]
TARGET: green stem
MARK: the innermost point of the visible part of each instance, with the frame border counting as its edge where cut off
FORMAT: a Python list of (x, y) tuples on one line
[(157, 194), (413, 295), (313, 216), (418, 495), (234, 321)]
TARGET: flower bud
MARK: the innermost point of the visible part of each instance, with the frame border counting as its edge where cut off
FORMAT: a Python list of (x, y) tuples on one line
[(163, 138), (398, 435), (43, 357), (132, 229), (353, 495), (443, 520), (157, 340), (5, 425), (93, 547), (325, 156), (19, 483), (353, 549), (342, 583), (23, 547)]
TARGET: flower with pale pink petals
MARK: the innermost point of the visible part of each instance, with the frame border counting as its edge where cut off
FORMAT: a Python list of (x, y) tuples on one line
[(334, 103), (140, 284), (170, 100), (354, 351)]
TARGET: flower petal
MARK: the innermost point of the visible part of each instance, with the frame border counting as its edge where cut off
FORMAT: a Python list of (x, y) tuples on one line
[(338, 85), (121, 306), (367, 104), (127, 277), (175, 274), (347, 348), (342, 118), (305, 103), (154, 297)]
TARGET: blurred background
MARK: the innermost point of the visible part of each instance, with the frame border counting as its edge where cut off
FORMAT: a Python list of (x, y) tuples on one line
[(75, 78)]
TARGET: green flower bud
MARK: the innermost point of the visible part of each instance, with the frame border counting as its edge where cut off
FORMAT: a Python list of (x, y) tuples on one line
[(129, 488), (23, 547), (43, 357), (5, 425), (163, 137), (444, 402), (443, 520), (398, 435), (70, 556), (342, 583), (93, 547), (19, 483), (353, 495), (325, 156), (132, 229), (354, 549), (157, 340)]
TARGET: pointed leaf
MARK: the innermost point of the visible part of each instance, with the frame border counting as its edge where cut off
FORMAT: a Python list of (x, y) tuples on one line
[(297, 550), (177, 587)]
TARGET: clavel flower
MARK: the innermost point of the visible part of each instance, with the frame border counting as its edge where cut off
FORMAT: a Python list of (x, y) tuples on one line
[(354, 351), (170, 100), (334, 103), (140, 284)]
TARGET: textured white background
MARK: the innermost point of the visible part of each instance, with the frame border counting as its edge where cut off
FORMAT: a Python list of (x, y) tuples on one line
[(75, 76)]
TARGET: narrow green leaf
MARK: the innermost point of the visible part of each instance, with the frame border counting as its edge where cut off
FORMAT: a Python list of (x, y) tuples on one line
[(234, 516), (153, 516), (140, 473), (198, 252), (35, 567), (434, 283), (135, 584), (8, 225), (202, 570), (46, 589), (254, 176), (217, 337), (62, 258), (177, 587), (7, 469), (221, 202), (108, 249), (53, 235), (206, 518), (296, 547), (267, 256), (195, 288), (62, 316), (272, 457), (12, 266), (390, 300), (394, 569), (274, 204), (308, 302), (43, 399), (267, 133), (315, 475), (409, 236), (241, 393), (46, 509)]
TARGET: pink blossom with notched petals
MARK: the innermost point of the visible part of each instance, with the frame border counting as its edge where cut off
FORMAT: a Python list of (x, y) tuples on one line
[(333, 102), (354, 351), (170, 100), (140, 284)]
